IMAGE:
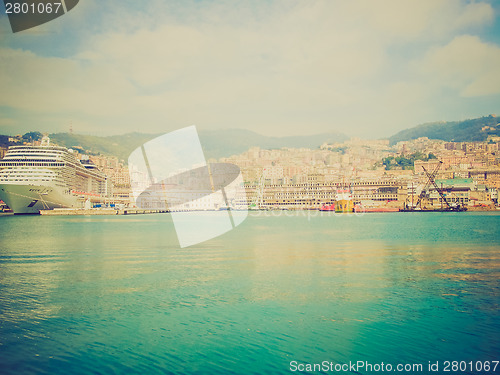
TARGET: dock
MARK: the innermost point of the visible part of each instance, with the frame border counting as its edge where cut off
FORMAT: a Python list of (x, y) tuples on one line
[(99, 211)]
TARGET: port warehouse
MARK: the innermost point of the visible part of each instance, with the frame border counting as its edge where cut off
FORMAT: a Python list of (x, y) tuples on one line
[(316, 194), (313, 195), (376, 193)]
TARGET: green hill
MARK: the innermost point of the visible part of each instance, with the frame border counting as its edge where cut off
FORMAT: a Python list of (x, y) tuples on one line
[(118, 145), (215, 143), (456, 131)]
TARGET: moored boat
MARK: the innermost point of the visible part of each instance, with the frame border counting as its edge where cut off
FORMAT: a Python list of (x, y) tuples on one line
[(344, 202), (359, 208), (34, 178), (328, 207)]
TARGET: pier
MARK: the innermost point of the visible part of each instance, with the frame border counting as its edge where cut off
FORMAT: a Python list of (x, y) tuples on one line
[(99, 211)]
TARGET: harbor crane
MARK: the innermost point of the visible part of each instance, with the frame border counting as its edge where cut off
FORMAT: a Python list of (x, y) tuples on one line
[(433, 182), (430, 177)]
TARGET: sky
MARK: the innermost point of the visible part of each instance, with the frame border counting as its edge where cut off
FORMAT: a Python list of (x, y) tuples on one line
[(366, 68)]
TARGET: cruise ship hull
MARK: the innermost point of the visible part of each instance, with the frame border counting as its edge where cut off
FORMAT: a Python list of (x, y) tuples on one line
[(30, 199)]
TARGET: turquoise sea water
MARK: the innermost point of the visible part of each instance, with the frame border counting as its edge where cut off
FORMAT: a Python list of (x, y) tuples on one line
[(117, 295)]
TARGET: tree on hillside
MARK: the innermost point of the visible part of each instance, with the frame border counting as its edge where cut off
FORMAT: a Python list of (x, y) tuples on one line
[(403, 162), (32, 136)]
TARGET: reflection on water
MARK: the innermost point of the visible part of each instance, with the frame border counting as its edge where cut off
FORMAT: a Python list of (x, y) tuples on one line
[(84, 294)]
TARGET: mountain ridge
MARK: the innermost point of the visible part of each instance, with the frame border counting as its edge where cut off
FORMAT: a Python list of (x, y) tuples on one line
[(470, 130), (224, 143), (215, 143)]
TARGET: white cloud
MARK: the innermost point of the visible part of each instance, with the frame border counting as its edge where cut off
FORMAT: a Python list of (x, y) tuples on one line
[(294, 66), (47, 84), (474, 14), (427, 19), (466, 64)]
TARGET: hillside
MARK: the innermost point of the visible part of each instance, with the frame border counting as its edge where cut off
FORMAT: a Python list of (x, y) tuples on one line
[(223, 143), (118, 145), (458, 131), (215, 143)]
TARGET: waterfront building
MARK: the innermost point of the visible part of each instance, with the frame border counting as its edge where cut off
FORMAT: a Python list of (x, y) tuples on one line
[(313, 195)]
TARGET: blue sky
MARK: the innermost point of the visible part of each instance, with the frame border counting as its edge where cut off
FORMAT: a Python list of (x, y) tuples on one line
[(366, 68)]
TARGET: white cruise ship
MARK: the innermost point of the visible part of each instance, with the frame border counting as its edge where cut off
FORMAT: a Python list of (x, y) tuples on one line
[(34, 178)]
